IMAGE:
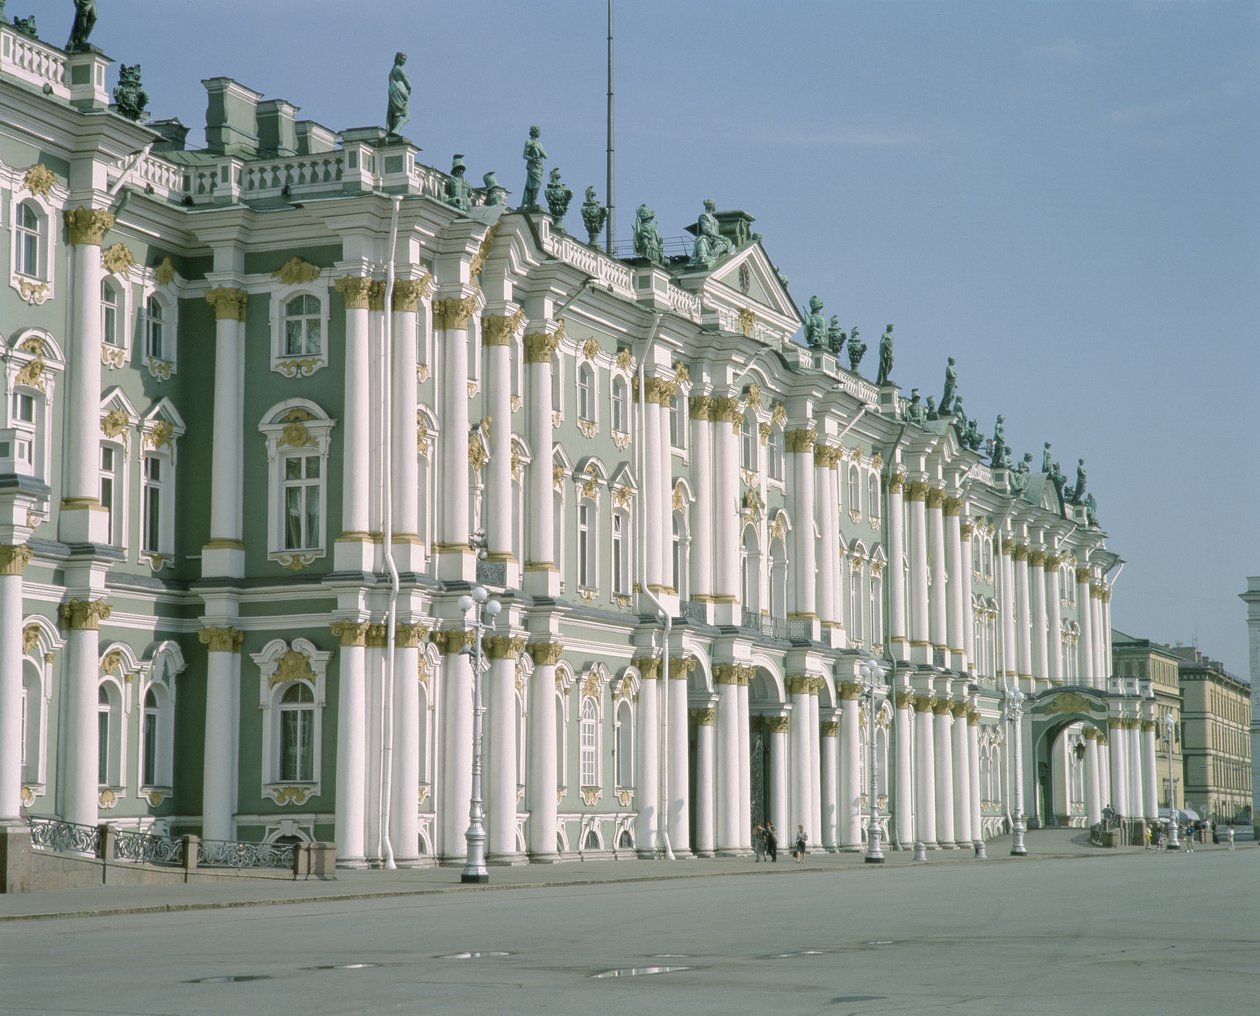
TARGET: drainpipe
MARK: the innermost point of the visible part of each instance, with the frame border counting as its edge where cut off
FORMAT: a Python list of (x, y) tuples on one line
[(387, 511)]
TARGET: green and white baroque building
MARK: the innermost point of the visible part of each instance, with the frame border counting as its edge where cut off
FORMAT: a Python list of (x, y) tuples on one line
[(229, 402)]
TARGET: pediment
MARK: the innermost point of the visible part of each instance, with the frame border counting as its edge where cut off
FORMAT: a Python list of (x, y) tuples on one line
[(748, 279)]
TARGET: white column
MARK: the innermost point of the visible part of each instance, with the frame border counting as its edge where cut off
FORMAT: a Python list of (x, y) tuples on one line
[(726, 515), (653, 534), (701, 521), (956, 564), (1137, 795), (903, 805), (925, 771), (12, 561), (1102, 665), (500, 760), (80, 519), (1037, 607), (920, 631), (963, 833), (897, 631), (778, 809), (648, 780), (663, 463), (813, 824), (542, 576), (218, 782), (404, 400), (1116, 751), (1149, 770), (828, 516), (541, 778), (1023, 613), (851, 768), (1054, 640), (745, 757), (944, 775), (706, 788), (801, 775), (225, 553), (973, 769), (456, 738), (679, 768), (1085, 644), (939, 594), (828, 732), (354, 549), (965, 529), (1093, 789), (404, 807), (728, 809), (1007, 593), (351, 743), (453, 555), (80, 790), (800, 443)]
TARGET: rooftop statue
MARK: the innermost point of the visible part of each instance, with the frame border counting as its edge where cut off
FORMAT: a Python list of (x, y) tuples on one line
[(1091, 510), (458, 190), (399, 94), (129, 98), (594, 215), (534, 157), (1056, 476), (885, 357), (1047, 466), (915, 412), (26, 26), (835, 336), (1076, 495), (1001, 452), (494, 193), (932, 412), (815, 325), (558, 197), (710, 243), (857, 350), (951, 383), (1019, 475), (84, 22), (647, 241)]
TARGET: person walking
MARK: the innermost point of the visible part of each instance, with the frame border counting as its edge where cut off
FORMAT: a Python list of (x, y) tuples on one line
[(772, 842), (1146, 837), (798, 849), (759, 842), (1229, 837)]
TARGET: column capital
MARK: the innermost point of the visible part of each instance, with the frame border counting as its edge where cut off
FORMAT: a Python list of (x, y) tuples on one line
[(505, 647), (408, 292), (354, 290), (14, 558), (228, 303), (1020, 552), (87, 225), (800, 440), (410, 636), (952, 506), (701, 407), (545, 654), (1148, 726), (935, 497), (1037, 558), (221, 639), (727, 410), (1091, 733), (648, 666), (925, 703), (959, 709), (703, 717), (916, 490), (500, 329), (966, 528), (776, 724), (733, 673), (829, 728), (376, 636), (454, 312), (350, 633), (376, 295), (455, 642), (540, 347), (848, 691), (680, 667), (800, 684), (896, 479), (78, 615), (904, 699)]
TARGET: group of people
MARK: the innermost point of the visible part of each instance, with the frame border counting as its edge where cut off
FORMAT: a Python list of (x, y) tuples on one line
[(766, 843)]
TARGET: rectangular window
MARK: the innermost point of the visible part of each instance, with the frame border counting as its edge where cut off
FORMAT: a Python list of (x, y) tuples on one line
[(301, 502), (297, 762), (153, 345), (23, 408), (676, 433), (102, 745), (149, 777), (586, 569), (109, 315), (152, 522), (22, 734), (109, 480), (620, 571)]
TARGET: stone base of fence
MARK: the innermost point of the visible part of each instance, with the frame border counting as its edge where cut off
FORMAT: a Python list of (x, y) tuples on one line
[(315, 860), (15, 857)]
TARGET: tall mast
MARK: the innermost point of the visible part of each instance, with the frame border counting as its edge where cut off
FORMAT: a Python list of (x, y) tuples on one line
[(609, 193)]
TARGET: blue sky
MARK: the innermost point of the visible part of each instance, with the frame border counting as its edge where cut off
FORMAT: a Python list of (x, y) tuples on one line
[(1064, 196)]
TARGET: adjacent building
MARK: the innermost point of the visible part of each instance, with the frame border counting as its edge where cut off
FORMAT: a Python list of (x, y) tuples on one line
[(1145, 660), (271, 408)]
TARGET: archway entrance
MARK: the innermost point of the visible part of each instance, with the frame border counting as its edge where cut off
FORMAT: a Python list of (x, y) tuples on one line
[(1064, 778)]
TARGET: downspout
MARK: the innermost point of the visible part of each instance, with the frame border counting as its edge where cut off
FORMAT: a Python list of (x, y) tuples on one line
[(387, 512), (662, 817), (892, 660)]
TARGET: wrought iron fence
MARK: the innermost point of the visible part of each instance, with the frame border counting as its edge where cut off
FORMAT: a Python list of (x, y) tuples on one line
[(148, 848), (240, 854), (68, 837)]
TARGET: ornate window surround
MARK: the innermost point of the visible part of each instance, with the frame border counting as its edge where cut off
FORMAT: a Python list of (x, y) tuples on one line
[(297, 424), (280, 665), (160, 429), (315, 283), (40, 288), (32, 363), (41, 640), (166, 296)]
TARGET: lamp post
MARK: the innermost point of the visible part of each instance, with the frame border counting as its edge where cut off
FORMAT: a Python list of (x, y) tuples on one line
[(1015, 714), (484, 611), (1170, 727), (872, 674)]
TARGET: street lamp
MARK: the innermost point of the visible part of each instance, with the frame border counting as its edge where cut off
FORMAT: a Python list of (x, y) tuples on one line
[(872, 674), (1170, 727), (484, 611), (1014, 714)]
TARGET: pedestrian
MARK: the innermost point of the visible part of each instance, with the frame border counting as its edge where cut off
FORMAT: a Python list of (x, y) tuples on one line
[(798, 849), (1146, 838), (1159, 839), (1229, 836), (759, 842), (772, 842)]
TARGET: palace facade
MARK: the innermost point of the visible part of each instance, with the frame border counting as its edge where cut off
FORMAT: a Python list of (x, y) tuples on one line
[(272, 407)]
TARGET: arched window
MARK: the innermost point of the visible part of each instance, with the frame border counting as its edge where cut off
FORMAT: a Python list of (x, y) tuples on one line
[(297, 734), (562, 740), (856, 598), (975, 553), (855, 490), (154, 329), (586, 392), (748, 441), (778, 580), (28, 242), (589, 739), (625, 746), (620, 407), (149, 741), (102, 736), (750, 571), (876, 611), (680, 556), (111, 332), (775, 453), (558, 531), (677, 426), (872, 495), (302, 326), (299, 436)]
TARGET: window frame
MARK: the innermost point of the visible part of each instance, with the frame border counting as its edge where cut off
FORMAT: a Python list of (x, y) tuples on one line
[(39, 286), (280, 666), (293, 428), (306, 363)]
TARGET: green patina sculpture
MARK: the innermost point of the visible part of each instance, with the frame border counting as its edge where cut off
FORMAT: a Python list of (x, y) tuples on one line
[(1001, 452), (835, 336), (1076, 495), (857, 349), (494, 193), (84, 22), (399, 94), (932, 412), (458, 190), (594, 215), (710, 243), (647, 241), (951, 383), (1018, 477), (1057, 476), (885, 357), (129, 98), (915, 413), (26, 26), (815, 325), (558, 197), (534, 157), (1091, 510), (1047, 465)]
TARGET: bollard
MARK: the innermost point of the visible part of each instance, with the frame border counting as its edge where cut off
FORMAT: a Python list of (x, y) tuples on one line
[(920, 851), (980, 854)]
